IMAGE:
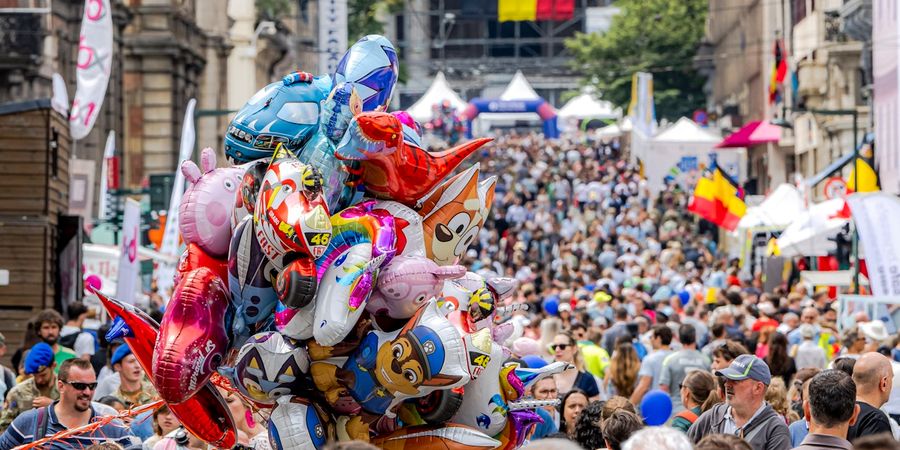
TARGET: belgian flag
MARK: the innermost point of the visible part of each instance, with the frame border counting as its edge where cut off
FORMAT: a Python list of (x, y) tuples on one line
[(719, 200)]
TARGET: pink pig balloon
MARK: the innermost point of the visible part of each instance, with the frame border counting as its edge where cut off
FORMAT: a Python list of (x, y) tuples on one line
[(192, 338), (407, 283), (208, 204)]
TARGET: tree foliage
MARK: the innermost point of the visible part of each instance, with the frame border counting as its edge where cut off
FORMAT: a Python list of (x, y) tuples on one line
[(656, 36)]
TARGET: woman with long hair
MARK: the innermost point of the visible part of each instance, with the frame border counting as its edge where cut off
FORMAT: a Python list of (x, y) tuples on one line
[(565, 349), (571, 406), (698, 394), (780, 362), (776, 395), (622, 373)]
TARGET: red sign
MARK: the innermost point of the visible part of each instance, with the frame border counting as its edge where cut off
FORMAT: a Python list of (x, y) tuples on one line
[(835, 187), (112, 172)]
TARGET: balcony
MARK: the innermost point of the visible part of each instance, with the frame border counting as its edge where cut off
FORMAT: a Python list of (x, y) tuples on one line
[(857, 19), (21, 42)]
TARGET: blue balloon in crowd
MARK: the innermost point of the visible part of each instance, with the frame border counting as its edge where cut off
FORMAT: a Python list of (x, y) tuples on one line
[(656, 407), (685, 297), (119, 329), (551, 305), (534, 361), (372, 66)]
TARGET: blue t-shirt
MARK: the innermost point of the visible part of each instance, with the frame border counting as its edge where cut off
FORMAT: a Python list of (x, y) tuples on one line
[(799, 430), (23, 428), (545, 429)]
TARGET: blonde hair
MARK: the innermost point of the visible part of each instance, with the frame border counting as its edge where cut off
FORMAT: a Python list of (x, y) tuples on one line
[(776, 395), (623, 368)]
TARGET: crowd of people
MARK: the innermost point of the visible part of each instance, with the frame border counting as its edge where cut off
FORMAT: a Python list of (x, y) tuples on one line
[(623, 284)]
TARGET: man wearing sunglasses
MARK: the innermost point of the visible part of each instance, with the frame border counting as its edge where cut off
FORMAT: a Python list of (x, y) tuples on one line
[(76, 383)]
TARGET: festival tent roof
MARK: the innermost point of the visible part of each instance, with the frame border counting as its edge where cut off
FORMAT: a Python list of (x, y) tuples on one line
[(754, 133), (438, 92), (686, 130), (519, 89), (808, 233), (779, 209), (585, 106)]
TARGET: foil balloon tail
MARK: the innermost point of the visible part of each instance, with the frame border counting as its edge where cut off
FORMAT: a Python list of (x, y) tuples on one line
[(205, 414), (450, 437)]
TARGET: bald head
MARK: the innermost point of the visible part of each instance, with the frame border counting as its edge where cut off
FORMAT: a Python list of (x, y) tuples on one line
[(874, 378)]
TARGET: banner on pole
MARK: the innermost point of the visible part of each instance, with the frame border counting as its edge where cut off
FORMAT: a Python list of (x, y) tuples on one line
[(129, 266), (876, 215), (165, 273), (108, 153), (332, 34), (95, 51)]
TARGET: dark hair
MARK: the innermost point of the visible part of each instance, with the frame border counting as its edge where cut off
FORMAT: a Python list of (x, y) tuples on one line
[(730, 350), (587, 429), (76, 309), (778, 358), (832, 396), (881, 441), (718, 329), (619, 427), (47, 315), (621, 313), (110, 400), (664, 333), (687, 334), (562, 407), (722, 442), (844, 364), (67, 366)]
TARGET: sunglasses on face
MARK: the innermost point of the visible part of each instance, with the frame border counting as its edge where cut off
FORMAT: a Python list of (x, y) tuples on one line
[(78, 386), (562, 347)]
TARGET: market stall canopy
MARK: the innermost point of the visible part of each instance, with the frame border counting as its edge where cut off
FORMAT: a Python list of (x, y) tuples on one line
[(585, 106), (780, 208), (438, 92), (808, 234), (754, 133), (686, 130), (519, 89)]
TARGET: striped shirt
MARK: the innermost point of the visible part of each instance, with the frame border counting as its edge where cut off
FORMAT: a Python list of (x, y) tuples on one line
[(23, 429)]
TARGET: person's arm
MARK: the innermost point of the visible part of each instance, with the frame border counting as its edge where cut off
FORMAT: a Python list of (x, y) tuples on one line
[(641, 389), (13, 437)]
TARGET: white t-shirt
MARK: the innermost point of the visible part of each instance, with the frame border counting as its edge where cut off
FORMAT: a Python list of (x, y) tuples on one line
[(84, 343)]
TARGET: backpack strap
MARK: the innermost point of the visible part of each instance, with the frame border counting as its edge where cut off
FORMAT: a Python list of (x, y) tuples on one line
[(687, 415), (40, 426)]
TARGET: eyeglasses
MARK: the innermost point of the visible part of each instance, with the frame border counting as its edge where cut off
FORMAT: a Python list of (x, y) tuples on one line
[(78, 386), (563, 347)]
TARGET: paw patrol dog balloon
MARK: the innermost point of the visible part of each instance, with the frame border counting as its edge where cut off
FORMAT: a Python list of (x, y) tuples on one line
[(453, 215), (425, 355), (269, 366), (298, 424)]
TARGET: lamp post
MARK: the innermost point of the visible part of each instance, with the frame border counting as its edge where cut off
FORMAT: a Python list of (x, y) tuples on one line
[(839, 112)]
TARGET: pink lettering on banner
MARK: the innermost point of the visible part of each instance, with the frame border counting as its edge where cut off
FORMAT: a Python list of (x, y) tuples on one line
[(94, 10), (84, 50)]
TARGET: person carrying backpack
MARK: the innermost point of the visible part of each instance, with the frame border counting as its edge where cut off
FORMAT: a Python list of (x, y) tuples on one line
[(73, 335)]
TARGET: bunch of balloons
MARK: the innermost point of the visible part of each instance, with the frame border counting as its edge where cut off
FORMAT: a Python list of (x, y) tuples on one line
[(320, 279)]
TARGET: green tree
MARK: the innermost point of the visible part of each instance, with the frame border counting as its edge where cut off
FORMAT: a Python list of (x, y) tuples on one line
[(656, 36)]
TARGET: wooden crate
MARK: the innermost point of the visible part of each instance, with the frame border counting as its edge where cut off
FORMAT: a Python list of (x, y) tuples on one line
[(34, 192)]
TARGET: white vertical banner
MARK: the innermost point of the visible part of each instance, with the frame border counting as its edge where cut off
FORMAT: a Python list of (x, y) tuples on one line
[(129, 266), (876, 216), (165, 273), (108, 153), (332, 34), (886, 86), (95, 52)]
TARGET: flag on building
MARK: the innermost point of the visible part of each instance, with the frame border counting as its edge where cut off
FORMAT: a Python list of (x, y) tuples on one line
[(534, 10), (779, 72), (719, 200)]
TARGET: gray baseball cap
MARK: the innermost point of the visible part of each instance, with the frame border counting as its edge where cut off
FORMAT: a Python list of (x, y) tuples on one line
[(747, 366)]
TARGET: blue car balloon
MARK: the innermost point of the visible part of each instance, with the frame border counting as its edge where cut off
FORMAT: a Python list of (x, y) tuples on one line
[(285, 112)]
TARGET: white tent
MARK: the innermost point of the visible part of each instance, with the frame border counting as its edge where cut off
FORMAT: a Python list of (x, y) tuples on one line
[(585, 106), (518, 89), (779, 209), (438, 92), (808, 233), (681, 151)]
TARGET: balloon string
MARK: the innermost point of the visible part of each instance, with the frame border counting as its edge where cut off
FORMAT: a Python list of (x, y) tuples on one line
[(93, 426)]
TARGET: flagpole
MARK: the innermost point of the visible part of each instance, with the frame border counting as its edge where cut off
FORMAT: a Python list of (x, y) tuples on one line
[(855, 243)]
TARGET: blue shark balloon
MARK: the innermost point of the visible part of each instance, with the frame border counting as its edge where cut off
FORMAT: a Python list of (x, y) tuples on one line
[(371, 65)]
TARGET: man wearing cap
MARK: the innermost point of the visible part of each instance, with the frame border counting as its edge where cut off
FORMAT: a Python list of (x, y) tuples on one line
[(134, 389), (35, 392), (745, 413)]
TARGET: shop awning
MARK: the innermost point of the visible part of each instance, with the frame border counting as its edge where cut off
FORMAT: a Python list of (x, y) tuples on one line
[(754, 133)]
